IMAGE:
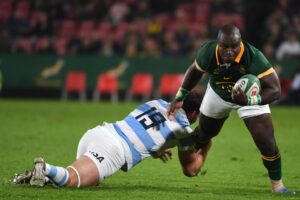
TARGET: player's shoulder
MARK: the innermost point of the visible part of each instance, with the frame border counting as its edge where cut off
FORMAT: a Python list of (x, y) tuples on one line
[(206, 54), (257, 60), (209, 46), (252, 49)]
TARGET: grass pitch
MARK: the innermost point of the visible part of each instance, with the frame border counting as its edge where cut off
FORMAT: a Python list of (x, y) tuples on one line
[(234, 170)]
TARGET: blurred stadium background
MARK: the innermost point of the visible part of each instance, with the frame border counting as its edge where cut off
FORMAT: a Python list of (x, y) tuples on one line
[(42, 41)]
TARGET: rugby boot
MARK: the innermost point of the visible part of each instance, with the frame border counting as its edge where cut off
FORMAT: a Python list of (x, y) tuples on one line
[(38, 174), (22, 178), (285, 191)]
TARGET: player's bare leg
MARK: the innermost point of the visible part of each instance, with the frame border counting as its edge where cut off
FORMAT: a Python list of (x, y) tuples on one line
[(82, 173), (207, 129), (262, 131)]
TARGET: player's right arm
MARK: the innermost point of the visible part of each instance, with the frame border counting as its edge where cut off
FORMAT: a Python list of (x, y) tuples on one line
[(192, 160), (191, 78)]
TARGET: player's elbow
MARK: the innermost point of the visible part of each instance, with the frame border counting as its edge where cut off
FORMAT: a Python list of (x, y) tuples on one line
[(191, 171), (276, 93)]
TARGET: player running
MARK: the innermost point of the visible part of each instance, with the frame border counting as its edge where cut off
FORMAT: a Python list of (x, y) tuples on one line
[(226, 60), (105, 149)]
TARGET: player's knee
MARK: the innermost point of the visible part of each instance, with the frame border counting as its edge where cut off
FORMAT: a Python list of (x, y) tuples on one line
[(73, 179), (268, 147)]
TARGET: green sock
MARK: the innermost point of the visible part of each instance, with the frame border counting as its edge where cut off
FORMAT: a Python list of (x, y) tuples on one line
[(273, 165)]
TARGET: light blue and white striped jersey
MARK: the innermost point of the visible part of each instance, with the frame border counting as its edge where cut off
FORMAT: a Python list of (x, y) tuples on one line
[(147, 129)]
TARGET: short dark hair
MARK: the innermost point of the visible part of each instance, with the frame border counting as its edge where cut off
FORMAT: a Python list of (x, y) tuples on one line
[(229, 29), (192, 102)]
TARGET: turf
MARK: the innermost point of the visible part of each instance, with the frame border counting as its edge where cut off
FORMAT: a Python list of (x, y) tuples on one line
[(52, 129)]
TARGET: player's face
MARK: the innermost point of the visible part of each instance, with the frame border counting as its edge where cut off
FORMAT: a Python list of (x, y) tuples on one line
[(229, 47)]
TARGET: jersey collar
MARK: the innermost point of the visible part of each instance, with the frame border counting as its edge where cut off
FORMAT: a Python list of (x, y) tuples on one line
[(237, 59)]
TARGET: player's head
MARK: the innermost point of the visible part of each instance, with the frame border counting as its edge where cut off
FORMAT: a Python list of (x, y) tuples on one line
[(229, 40), (191, 105)]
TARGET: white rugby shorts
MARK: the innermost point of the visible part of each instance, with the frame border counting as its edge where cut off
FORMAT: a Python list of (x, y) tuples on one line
[(215, 107), (105, 148)]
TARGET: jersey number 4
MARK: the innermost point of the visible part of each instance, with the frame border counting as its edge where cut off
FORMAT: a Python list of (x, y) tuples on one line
[(151, 118)]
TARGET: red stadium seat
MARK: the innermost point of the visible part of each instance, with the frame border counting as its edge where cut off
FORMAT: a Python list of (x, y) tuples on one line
[(23, 9), (119, 32), (238, 20), (106, 84), (23, 45), (76, 83), (186, 7), (142, 28), (86, 29), (104, 26), (224, 18), (88, 24), (60, 45), (169, 84), (5, 10), (195, 29), (165, 18), (23, 5), (42, 45), (66, 29), (103, 29), (142, 85)]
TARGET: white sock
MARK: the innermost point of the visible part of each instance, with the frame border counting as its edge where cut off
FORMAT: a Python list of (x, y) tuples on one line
[(58, 175)]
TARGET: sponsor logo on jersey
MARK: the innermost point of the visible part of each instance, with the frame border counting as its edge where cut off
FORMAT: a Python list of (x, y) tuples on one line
[(227, 65), (97, 156)]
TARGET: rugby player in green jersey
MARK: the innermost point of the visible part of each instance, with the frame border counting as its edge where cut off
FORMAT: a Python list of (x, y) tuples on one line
[(225, 60)]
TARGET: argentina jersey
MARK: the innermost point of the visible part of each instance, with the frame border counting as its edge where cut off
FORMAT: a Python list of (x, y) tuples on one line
[(147, 129)]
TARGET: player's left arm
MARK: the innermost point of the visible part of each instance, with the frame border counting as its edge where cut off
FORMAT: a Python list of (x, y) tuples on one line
[(270, 88), (270, 85)]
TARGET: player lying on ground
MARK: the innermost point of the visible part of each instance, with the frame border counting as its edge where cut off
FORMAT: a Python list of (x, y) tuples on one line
[(105, 149)]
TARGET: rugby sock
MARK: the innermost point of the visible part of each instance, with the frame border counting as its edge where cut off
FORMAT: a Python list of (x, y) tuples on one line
[(273, 165), (58, 175)]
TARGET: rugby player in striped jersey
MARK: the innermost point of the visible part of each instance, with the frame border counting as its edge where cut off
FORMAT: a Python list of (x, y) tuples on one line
[(105, 149)]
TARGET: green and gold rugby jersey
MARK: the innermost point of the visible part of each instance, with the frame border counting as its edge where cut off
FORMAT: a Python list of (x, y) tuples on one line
[(222, 76)]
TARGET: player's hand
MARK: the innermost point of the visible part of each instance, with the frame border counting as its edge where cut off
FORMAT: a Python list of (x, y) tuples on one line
[(173, 109), (239, 97), (164, 155)]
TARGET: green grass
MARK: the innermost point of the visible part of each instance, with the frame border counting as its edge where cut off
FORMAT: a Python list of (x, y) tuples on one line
[(233, 169)]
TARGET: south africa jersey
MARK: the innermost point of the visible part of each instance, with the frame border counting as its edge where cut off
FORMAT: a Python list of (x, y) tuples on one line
[(147, 129), (224, 75)]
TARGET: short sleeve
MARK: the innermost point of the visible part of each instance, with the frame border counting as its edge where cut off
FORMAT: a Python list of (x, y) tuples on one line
[(204, 55), (260, 65)]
